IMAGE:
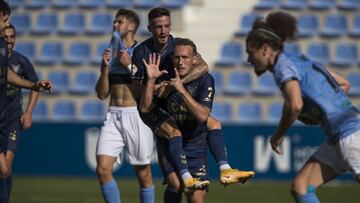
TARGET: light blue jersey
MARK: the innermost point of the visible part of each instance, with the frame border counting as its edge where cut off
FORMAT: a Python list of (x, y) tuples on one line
[(322, 96)]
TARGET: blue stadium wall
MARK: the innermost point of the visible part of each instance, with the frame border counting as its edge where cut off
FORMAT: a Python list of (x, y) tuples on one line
[(68, 149)]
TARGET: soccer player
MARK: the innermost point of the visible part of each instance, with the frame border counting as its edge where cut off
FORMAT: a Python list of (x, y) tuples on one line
[(123, 129), (17, 119), (162, 43), (190, 106), (7, 75), (308, 89)]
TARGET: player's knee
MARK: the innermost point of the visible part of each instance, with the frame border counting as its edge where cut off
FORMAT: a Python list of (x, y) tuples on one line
[(173, 183), (103, 171), (213, 124), (4, 171), (144, 176)]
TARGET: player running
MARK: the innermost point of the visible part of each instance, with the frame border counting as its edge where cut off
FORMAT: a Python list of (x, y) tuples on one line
[(309, 89)]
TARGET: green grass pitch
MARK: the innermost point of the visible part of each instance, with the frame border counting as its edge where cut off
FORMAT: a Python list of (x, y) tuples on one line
[(86, 190)]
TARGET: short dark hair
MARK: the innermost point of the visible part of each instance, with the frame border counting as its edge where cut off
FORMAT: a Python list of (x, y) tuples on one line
[(158, 12), (130, 16), (4, 8), (186, 42), (11, 26)]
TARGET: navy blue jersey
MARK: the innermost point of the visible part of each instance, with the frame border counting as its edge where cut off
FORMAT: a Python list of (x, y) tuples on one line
[(144, 50), (21, 65), (323, 98), (3, 89), (202, 90)]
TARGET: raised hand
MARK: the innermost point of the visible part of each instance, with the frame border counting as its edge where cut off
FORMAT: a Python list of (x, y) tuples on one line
[(125, 58), (176, 82), (106, 58), (152, 67)]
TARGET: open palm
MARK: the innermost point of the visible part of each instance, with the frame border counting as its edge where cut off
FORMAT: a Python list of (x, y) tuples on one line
[(152, 67)]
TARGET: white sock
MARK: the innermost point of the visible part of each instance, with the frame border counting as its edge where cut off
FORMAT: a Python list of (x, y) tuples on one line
[(186, 175), (225, 166)]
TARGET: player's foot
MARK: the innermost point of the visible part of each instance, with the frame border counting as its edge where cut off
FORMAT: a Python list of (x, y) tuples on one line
[(229, 176), (192, 184)]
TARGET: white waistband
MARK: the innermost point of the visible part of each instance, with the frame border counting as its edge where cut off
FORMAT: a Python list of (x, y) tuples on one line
[(127, 109)]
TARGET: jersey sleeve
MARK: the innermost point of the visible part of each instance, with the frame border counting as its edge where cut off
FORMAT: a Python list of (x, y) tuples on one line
[(206, 91), (138, 66), (29, 71), (285, 72)]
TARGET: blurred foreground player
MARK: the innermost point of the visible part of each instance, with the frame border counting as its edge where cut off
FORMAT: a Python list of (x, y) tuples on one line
[(312, 94)]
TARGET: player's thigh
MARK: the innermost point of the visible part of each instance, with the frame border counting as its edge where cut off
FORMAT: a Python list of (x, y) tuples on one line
[(105, 162), (313, 173), (10, 155), (197, 197), (3, 166), (169, 128)]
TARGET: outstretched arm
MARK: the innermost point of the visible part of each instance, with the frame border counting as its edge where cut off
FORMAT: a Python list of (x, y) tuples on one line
[(14, 79), (292, 108)]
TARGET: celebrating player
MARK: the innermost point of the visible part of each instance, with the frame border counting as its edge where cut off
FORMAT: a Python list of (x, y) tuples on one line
[(312, 92), (123, 129), (17, 119)]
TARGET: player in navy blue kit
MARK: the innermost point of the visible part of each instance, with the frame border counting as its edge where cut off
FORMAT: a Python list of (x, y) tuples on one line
[(189, 106), (17, 119), (163, 44), (7, 75), (312, 94)]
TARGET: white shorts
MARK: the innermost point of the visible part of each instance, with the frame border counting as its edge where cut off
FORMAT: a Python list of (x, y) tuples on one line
[(123, 130), (342, 156)]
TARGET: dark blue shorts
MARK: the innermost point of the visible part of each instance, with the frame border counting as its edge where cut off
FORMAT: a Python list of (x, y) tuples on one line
[(196, 153), (3, 138), (155, 118), (14, 128)]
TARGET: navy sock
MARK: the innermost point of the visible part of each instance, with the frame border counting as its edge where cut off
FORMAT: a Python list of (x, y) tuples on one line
[(8, 186), (3, 191), (172, 196), (217, 146), (147, 195), (111, 192), (178, 155)]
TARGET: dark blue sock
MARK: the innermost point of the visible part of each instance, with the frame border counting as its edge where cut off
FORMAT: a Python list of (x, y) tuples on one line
[(172, 196), (147, 195), (178, 155), (217, 146), (3, 191), (9, 186)]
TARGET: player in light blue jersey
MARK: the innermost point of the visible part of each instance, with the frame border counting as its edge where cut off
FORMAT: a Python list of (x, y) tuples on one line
[(123, 129), (312, 93)]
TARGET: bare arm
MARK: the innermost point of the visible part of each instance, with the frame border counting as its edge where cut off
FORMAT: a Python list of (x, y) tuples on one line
[(200, 112), (14, 79), (292, 108), (343, 82), (26, 118), (102, 87)]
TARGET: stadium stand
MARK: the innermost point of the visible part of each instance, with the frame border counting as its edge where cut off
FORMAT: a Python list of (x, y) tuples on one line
[(231, 55), (22, 22), (92, 110), (46, 24), (63, 110), (51, 53), (238, 83), (249, 112)]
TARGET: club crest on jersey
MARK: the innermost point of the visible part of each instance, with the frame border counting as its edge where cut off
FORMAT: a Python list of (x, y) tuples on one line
[(16, 68)]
